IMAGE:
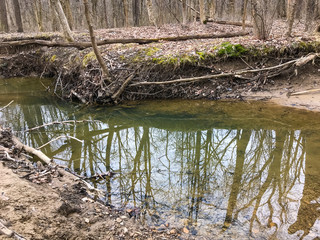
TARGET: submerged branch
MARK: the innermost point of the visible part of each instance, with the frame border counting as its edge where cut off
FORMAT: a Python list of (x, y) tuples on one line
[(1, 109)]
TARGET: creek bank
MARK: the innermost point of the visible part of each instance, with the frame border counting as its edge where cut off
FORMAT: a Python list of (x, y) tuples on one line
[(137, 69), (46, 202)]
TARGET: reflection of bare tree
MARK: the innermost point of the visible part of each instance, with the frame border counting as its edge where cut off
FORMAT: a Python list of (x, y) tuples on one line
[(309, 204), (242, 143)]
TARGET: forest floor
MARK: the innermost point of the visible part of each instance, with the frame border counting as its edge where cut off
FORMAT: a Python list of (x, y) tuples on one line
[(56, 206)]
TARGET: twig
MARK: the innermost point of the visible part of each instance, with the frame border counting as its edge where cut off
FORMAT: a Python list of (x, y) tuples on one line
[(53, 140), (61, 122), (8, 157), (6, 105)]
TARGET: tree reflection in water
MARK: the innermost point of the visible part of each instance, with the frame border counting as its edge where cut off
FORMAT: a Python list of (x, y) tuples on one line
[(220, 180)]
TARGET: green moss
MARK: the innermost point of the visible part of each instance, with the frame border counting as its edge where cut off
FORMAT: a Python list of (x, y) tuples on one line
[(88, 58), (228, 49), (151, 51), (53, 58)]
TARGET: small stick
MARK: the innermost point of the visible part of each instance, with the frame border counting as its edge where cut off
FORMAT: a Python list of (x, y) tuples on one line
[(6, 106), (53, 140)]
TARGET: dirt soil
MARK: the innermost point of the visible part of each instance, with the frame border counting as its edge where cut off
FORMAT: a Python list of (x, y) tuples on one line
[(38, 202)]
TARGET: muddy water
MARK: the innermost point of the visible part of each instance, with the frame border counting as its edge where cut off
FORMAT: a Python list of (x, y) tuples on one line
[(220, 169)]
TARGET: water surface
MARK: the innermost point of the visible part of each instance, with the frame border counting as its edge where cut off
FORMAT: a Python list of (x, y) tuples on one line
[(221, 169)]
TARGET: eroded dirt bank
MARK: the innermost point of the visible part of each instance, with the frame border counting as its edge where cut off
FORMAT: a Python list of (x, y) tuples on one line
[(233, 68)]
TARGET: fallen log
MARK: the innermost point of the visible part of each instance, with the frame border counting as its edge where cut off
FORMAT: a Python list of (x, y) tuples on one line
[(229, 23), (84, 45)]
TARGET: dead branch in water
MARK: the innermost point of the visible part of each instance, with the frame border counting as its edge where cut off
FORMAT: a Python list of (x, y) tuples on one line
[(84, 45), (1, 109), (273, 71), (62, 122)]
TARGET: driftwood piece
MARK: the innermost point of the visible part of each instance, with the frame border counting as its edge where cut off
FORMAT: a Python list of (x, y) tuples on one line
[(84, 45), (305, 92), (238, 74), (31, 150), (122, 88)]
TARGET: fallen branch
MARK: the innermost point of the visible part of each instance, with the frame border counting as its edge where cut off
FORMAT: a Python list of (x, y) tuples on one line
[(57, 122), (122, 88), (84, 45), (31, 150), (229, 23), (1, 109), (237, 74), (304, 92)]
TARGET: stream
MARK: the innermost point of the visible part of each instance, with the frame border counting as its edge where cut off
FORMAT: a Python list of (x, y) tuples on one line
[(219, 169)]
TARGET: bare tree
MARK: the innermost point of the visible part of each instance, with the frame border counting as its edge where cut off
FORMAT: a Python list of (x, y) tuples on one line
[(105, 71), (57, 7), (290, 15), (263, 12), (184, 12), (151, 16), (17, 14), (4, 26)]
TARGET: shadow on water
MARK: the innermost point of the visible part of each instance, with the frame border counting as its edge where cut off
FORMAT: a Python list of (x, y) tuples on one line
[(221, 169)]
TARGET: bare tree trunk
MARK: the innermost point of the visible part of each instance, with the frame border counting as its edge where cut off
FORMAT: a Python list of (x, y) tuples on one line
[(212, 8), (290, 15), (202, 11), (17, 14), (63, 20), (38, 14), (184, 12), (244, 16), (67, 9), (311, 6), (152, 18), (136, 12), (105, 71), (4, 26), (231, 9), (126, 12)]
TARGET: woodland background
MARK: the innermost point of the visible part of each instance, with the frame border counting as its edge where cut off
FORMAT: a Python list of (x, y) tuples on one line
[(38, 15)]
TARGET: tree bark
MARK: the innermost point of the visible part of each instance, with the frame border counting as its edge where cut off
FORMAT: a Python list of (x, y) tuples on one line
[(290, 15), (38, 14), (184, 12), (4, 26), (63, 20), (311, 6), (202, 11), (17, 14), (67, 9), (151, 16), (244, 16), (126, 12), (105, 71)]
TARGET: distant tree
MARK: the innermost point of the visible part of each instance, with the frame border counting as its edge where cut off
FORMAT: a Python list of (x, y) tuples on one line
[(291, 9), (184, 12), (17, 14), (202, 11), (4, 26), (37, 9), (57, 7), (244, 14), (311, 8), (151, 16), (263, 12)]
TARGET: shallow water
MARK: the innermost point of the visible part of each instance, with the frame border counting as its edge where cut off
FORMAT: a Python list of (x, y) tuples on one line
[(221, 169)]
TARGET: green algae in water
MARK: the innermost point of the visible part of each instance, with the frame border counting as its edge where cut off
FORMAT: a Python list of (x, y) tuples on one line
[(221, 169)]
